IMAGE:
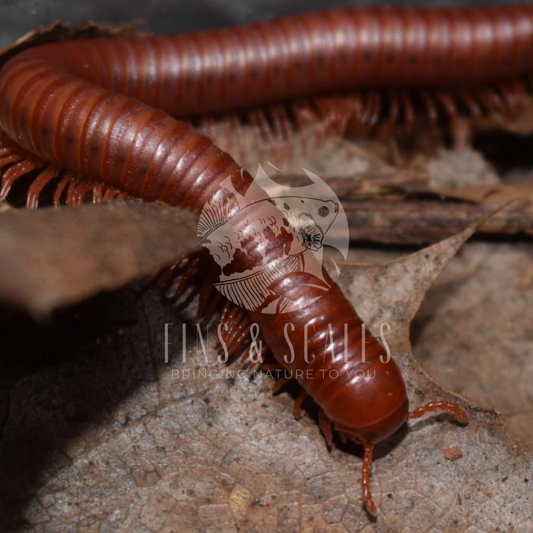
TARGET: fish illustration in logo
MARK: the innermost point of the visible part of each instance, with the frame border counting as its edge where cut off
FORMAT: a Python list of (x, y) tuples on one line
[(262, 242)]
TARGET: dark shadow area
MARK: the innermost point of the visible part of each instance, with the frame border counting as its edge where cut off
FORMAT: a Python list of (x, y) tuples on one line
[(435, 297), (505, 151), (28, 345), (87, 360)]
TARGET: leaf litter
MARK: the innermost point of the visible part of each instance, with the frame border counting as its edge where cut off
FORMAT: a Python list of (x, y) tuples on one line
[(53, 258), (170, 450)]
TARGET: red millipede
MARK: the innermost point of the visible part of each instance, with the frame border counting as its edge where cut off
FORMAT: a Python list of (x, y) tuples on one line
[(97, 116)]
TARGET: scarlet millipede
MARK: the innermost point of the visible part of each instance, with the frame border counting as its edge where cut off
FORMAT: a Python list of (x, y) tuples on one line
[(97, 115)]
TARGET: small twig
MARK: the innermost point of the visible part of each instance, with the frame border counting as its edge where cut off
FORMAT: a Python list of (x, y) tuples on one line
[(416, 222)]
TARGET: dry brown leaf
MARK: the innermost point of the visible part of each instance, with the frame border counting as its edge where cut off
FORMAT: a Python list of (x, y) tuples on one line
[(521, 425), (473, 332), (52, 258), (180, 451)]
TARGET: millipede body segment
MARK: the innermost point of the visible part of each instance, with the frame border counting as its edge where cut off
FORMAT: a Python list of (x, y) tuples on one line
[(103, 116)]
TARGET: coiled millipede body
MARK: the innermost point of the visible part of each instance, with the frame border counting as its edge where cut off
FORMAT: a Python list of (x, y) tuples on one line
[(98, 116)]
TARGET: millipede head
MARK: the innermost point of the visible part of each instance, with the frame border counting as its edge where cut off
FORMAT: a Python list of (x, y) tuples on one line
[(371, 407)]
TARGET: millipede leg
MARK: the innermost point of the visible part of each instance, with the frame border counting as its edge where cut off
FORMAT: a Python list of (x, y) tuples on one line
[(17, 171), (62, 184), (232, 315), (82, 189), (281, 381), (343, 436), (297, 409), (10, 159), (40, 182), (189, 272), (257, 359), (252, 354), (209, 300), (370, 506), (408, 112), (326, 427), (448, 407), (238, 336)]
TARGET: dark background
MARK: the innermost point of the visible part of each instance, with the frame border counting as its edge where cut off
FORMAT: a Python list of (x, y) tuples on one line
[(18, 17)]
